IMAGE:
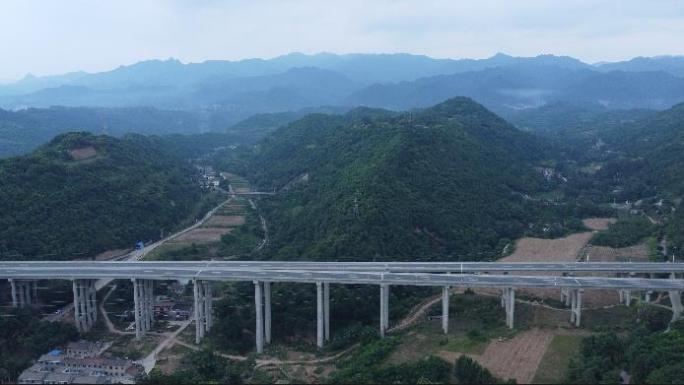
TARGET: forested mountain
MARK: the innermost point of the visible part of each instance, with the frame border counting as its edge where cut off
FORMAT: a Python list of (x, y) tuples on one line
[(652, 151), (82, 194), (643, 160), (508, 89), (569, 120), (449, 180)]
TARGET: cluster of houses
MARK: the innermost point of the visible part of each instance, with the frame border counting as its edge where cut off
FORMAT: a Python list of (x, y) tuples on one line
[(209, 178), (81, 362), (164, 309)]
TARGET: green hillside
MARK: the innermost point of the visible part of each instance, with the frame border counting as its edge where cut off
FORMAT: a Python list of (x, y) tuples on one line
[(445, 181), (652, 165), (82, 194)]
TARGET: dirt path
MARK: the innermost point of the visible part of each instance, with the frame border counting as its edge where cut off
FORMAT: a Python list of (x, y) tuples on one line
[(416, 314), (105, 316), (169, 338), (264, 241), (272, 361)]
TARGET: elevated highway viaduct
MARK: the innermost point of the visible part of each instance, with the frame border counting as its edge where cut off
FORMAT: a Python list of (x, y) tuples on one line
[(262, 274)]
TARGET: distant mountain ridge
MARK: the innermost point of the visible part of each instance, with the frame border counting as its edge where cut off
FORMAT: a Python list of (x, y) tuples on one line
[(517, 87), (239, 89)]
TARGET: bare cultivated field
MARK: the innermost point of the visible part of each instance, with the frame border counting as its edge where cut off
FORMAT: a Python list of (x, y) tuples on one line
[(598, 223), (638, 253), (565, 249), (225, 221), (203, 235), (83, 153), (518, 357)]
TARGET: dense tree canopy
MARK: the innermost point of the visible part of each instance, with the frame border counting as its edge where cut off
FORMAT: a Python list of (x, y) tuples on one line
[(54, 205), (450, 180)]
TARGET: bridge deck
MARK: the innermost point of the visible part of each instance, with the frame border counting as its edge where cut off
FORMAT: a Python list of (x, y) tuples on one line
[(413, 267), (145, 271)]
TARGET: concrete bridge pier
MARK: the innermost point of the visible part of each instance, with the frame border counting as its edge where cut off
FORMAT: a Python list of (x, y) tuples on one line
[(13, 287), (509, 302), (564, 295), (208, 306), (149, 304), (676, 301), (326, 309), (24, 293), (445, 309), (203, 305), (262, 302), (267, 312), (143, 300), (320, 324), (384, 309), (576, 306), (625, 297), (85, 304), (258, 296)]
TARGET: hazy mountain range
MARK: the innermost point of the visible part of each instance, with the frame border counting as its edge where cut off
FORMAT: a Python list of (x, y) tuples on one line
[(397, 81)]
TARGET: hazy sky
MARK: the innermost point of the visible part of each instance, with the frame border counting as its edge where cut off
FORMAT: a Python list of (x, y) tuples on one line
[(56, 36)]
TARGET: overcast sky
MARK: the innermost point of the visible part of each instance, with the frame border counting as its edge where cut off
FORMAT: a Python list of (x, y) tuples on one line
[(56, 36)]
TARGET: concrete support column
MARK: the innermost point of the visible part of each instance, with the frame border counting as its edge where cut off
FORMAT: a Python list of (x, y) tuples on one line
[(319, 315), (202, 308), (384, 309), (93, 303), (26, 287), (564, 295), (207, 306), (146, 305), (35, 290), (326, 310), (85, 304), (647, 295), (88, 302), (267, 312), (510, 306), (77, 306), (445, 309), (13, 285), (196, 306), (151, 293), (576, 306), (258, 295), (626, 297), (23, 301), (676, 301), (200, 305), (143, 305), (137, 308)]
